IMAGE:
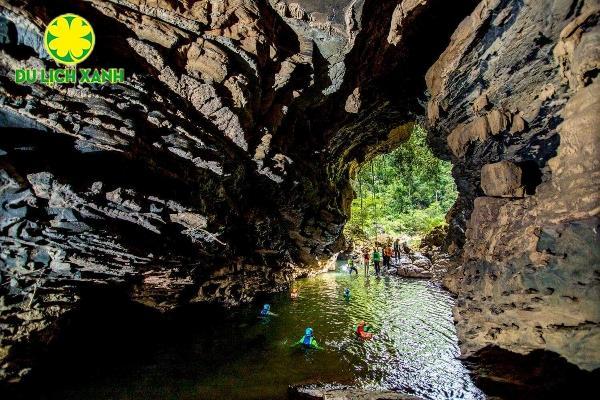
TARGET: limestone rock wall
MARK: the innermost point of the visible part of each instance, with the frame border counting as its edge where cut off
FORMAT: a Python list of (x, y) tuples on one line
[(218, 170), (515, 104), (166, 186), (221, 167)]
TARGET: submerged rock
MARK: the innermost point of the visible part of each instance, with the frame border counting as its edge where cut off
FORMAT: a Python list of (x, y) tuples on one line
[(340, 392)]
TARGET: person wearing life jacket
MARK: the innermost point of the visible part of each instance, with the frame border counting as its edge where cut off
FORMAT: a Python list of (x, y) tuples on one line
[(376, 260), (347, 294), (363, 330), (351, 266), (308, 341), (266, 311), (294, 294), (387, 256)]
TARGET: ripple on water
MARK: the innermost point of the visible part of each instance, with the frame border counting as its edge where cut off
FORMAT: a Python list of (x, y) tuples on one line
[(415, 348)]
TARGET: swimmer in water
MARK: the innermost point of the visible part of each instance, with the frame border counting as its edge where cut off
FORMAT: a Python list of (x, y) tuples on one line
[(266, 311), (364, 331), (308, 341), (294, 294), (347, 294)]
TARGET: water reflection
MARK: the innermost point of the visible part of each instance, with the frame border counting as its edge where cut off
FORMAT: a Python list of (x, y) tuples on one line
[(415, 347), (244, 357)]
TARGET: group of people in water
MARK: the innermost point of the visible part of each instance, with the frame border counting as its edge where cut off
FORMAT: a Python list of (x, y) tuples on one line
[(308, 341), (363, 330), (377, 256)]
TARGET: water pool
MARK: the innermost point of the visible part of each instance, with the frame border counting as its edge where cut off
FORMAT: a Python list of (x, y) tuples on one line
[(239, 356)]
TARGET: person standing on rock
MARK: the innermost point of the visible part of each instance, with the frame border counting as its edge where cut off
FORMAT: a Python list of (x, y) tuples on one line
[(397, 249), (377, 260), (387, 256), (366, 259)]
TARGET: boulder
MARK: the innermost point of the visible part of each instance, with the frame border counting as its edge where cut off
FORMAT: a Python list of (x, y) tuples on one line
[(502, 179), (413, 271), (297, 11)]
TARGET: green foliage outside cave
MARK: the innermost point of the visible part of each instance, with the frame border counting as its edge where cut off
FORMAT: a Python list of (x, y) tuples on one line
[(405, 193)]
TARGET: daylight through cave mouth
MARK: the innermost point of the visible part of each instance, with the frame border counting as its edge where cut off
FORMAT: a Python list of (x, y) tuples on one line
[(405, 193), (234, 158)]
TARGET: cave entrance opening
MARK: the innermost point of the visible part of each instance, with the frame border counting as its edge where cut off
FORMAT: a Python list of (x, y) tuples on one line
[(405, 193)]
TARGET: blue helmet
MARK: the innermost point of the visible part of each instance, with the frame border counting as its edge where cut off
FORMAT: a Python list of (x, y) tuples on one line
[(308, 332), (267, 307)]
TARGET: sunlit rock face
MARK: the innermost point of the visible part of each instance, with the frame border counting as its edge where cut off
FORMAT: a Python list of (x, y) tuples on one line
[(515, 104)]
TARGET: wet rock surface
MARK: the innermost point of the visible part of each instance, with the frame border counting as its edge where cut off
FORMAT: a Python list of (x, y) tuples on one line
[(537, 375), (221, 167), (512, 106), (333, 392), (411, 265)]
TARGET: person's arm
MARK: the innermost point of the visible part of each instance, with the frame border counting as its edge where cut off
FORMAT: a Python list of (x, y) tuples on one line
[(315, 345)]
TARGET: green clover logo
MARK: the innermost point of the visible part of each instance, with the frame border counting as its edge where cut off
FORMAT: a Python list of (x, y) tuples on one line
[(69, 39)]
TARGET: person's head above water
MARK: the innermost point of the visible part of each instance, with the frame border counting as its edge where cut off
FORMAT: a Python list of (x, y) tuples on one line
[(308, 332), (267, 307), (361, 323), (347, 291)]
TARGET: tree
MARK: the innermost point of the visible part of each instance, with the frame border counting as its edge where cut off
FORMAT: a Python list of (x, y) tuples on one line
[(406, 191)]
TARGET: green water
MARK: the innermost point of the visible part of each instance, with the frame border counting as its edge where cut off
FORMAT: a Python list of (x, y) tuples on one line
[(243, 357)]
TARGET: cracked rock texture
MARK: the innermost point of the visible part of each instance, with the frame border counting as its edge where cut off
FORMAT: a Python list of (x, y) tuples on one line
[(221, 168), (515, 105), (218, 170)]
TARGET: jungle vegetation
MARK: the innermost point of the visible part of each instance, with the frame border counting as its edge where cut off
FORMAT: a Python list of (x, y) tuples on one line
[(406, 192)]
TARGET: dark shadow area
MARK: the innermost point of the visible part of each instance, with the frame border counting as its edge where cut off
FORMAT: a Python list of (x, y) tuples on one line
[(111, 348), (532, 176), (538, 375), (110, 338)]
